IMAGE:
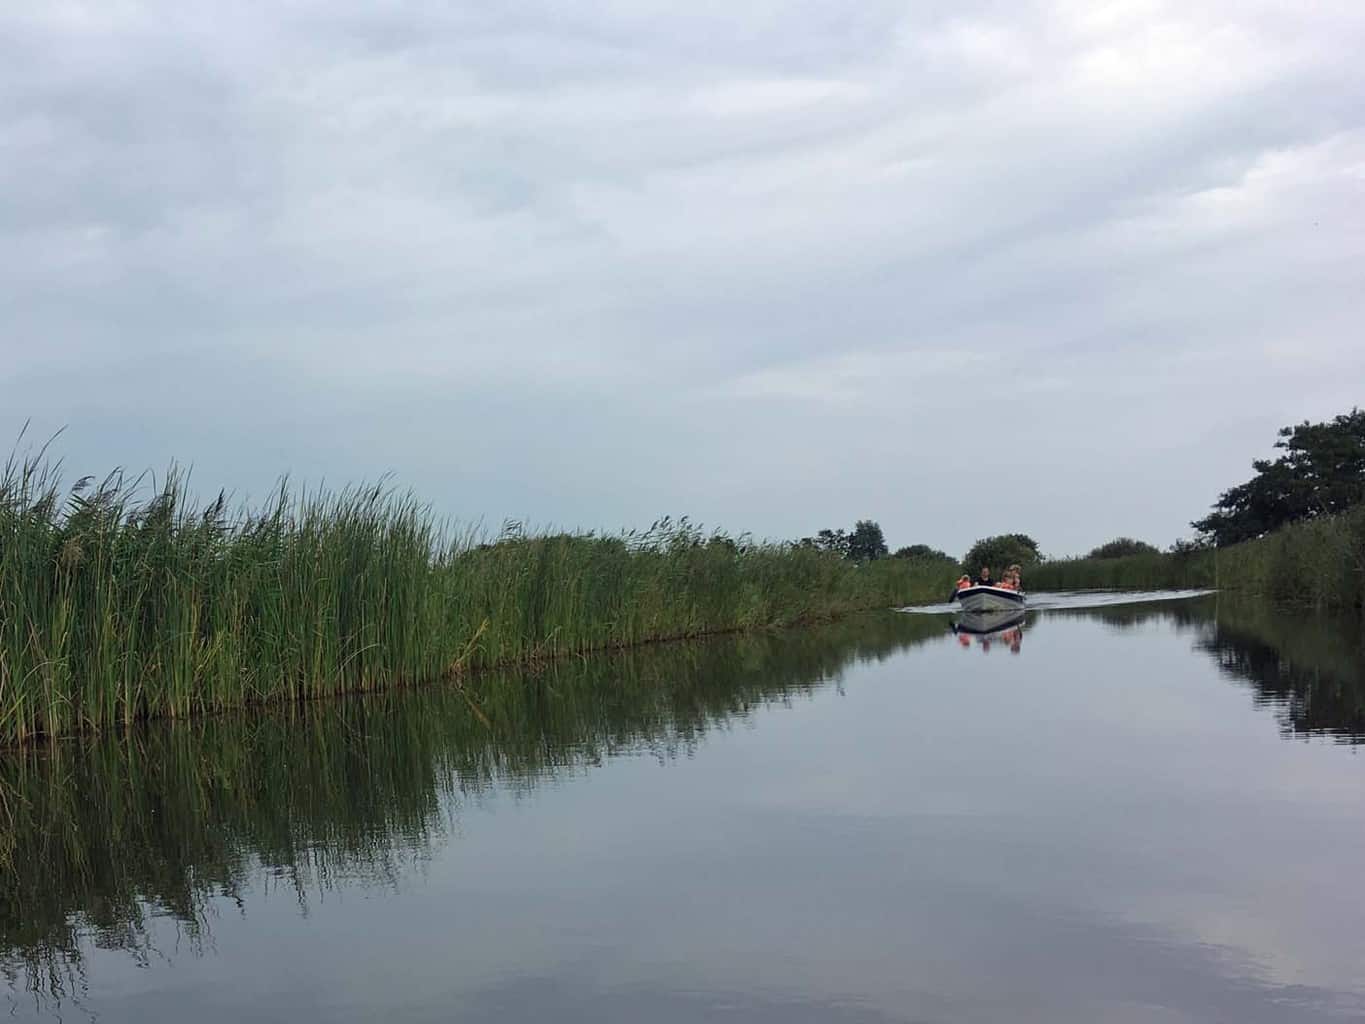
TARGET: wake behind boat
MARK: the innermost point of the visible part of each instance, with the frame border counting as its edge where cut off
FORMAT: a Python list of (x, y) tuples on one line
[(983, 598)]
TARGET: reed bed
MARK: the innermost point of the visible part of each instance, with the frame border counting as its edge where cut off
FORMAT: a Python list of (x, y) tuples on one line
[(120, 602), (1131, 572), (1318, 563)]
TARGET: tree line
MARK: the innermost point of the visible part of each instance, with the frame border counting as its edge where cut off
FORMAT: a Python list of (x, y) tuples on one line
[(1321, 472), (866, 543)]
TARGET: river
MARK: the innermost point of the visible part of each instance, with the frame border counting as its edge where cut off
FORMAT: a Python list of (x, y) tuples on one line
[(1123, 809)]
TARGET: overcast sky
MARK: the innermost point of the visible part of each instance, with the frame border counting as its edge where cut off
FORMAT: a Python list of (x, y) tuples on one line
[(962, 267)]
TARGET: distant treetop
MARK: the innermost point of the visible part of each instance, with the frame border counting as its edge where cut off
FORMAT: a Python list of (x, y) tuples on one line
[(999, 552), (1122, 547), (864, 544), (922, 552)]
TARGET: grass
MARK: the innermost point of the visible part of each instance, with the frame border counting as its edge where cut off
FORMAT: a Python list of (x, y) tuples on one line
[(120, 602), (1319, 563)]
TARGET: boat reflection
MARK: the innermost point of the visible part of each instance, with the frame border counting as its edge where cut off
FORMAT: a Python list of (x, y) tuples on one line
[(991, 628)]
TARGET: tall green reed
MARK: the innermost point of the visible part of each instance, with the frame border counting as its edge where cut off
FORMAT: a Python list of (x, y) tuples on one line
[(121, 600)]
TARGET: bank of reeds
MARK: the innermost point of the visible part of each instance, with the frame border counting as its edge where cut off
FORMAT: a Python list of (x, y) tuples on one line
[(1317, 563), (1131, 572), (119, 602)]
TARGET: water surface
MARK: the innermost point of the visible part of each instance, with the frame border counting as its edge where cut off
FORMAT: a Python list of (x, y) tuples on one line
[(1141, 810)]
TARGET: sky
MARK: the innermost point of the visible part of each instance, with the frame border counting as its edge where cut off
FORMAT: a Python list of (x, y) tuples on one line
[(963, 268)]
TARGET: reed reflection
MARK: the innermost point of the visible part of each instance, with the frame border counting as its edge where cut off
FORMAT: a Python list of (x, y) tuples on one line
[(100, 837)]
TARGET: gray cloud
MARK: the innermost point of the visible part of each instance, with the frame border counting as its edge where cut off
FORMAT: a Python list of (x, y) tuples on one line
[(775, 265)]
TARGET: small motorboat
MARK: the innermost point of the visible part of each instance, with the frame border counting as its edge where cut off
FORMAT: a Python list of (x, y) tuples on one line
[(988, 599)]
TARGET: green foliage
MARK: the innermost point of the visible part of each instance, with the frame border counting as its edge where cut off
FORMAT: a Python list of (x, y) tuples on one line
[(116, 606), (1187, 547), (1319, 562), (866, 543), (924, 553), (832, 542), (1321, 473), (1154, 571), (996, 553), (1123, 547)]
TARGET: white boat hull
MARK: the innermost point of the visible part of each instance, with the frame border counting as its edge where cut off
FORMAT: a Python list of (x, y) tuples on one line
[(989, 599)]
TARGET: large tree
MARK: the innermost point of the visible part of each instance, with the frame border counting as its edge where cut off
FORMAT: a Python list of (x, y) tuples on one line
[(999, 552), (866, 542), (1322, 471)]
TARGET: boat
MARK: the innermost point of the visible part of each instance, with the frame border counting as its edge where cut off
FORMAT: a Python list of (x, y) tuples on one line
[(988, 599), (988, 624)]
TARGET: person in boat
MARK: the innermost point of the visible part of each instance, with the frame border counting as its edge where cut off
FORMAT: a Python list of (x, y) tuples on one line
[(1015, 577), (984, 579)]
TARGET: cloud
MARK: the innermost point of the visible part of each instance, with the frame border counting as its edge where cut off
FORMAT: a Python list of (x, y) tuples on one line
[(750, 237), (853, 376)]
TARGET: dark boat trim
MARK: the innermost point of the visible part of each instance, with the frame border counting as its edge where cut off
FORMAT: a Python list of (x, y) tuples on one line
[(1013, 596)]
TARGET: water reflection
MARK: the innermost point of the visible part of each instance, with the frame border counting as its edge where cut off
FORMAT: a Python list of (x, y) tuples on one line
[(104, 842), (99, 837), (1307, 668), (998, 628)]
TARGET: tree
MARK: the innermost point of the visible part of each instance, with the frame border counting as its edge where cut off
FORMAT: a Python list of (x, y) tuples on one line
[(1183, 548), (833, 541), (1123, 547), (1001, 551), (922, 553), (1321, 472), (866, 543)]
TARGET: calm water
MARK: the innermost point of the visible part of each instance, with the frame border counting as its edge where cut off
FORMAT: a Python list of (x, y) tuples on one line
[(1135, 812)]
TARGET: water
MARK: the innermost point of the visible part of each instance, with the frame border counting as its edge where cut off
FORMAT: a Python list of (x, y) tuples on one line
[(1134, 811)]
